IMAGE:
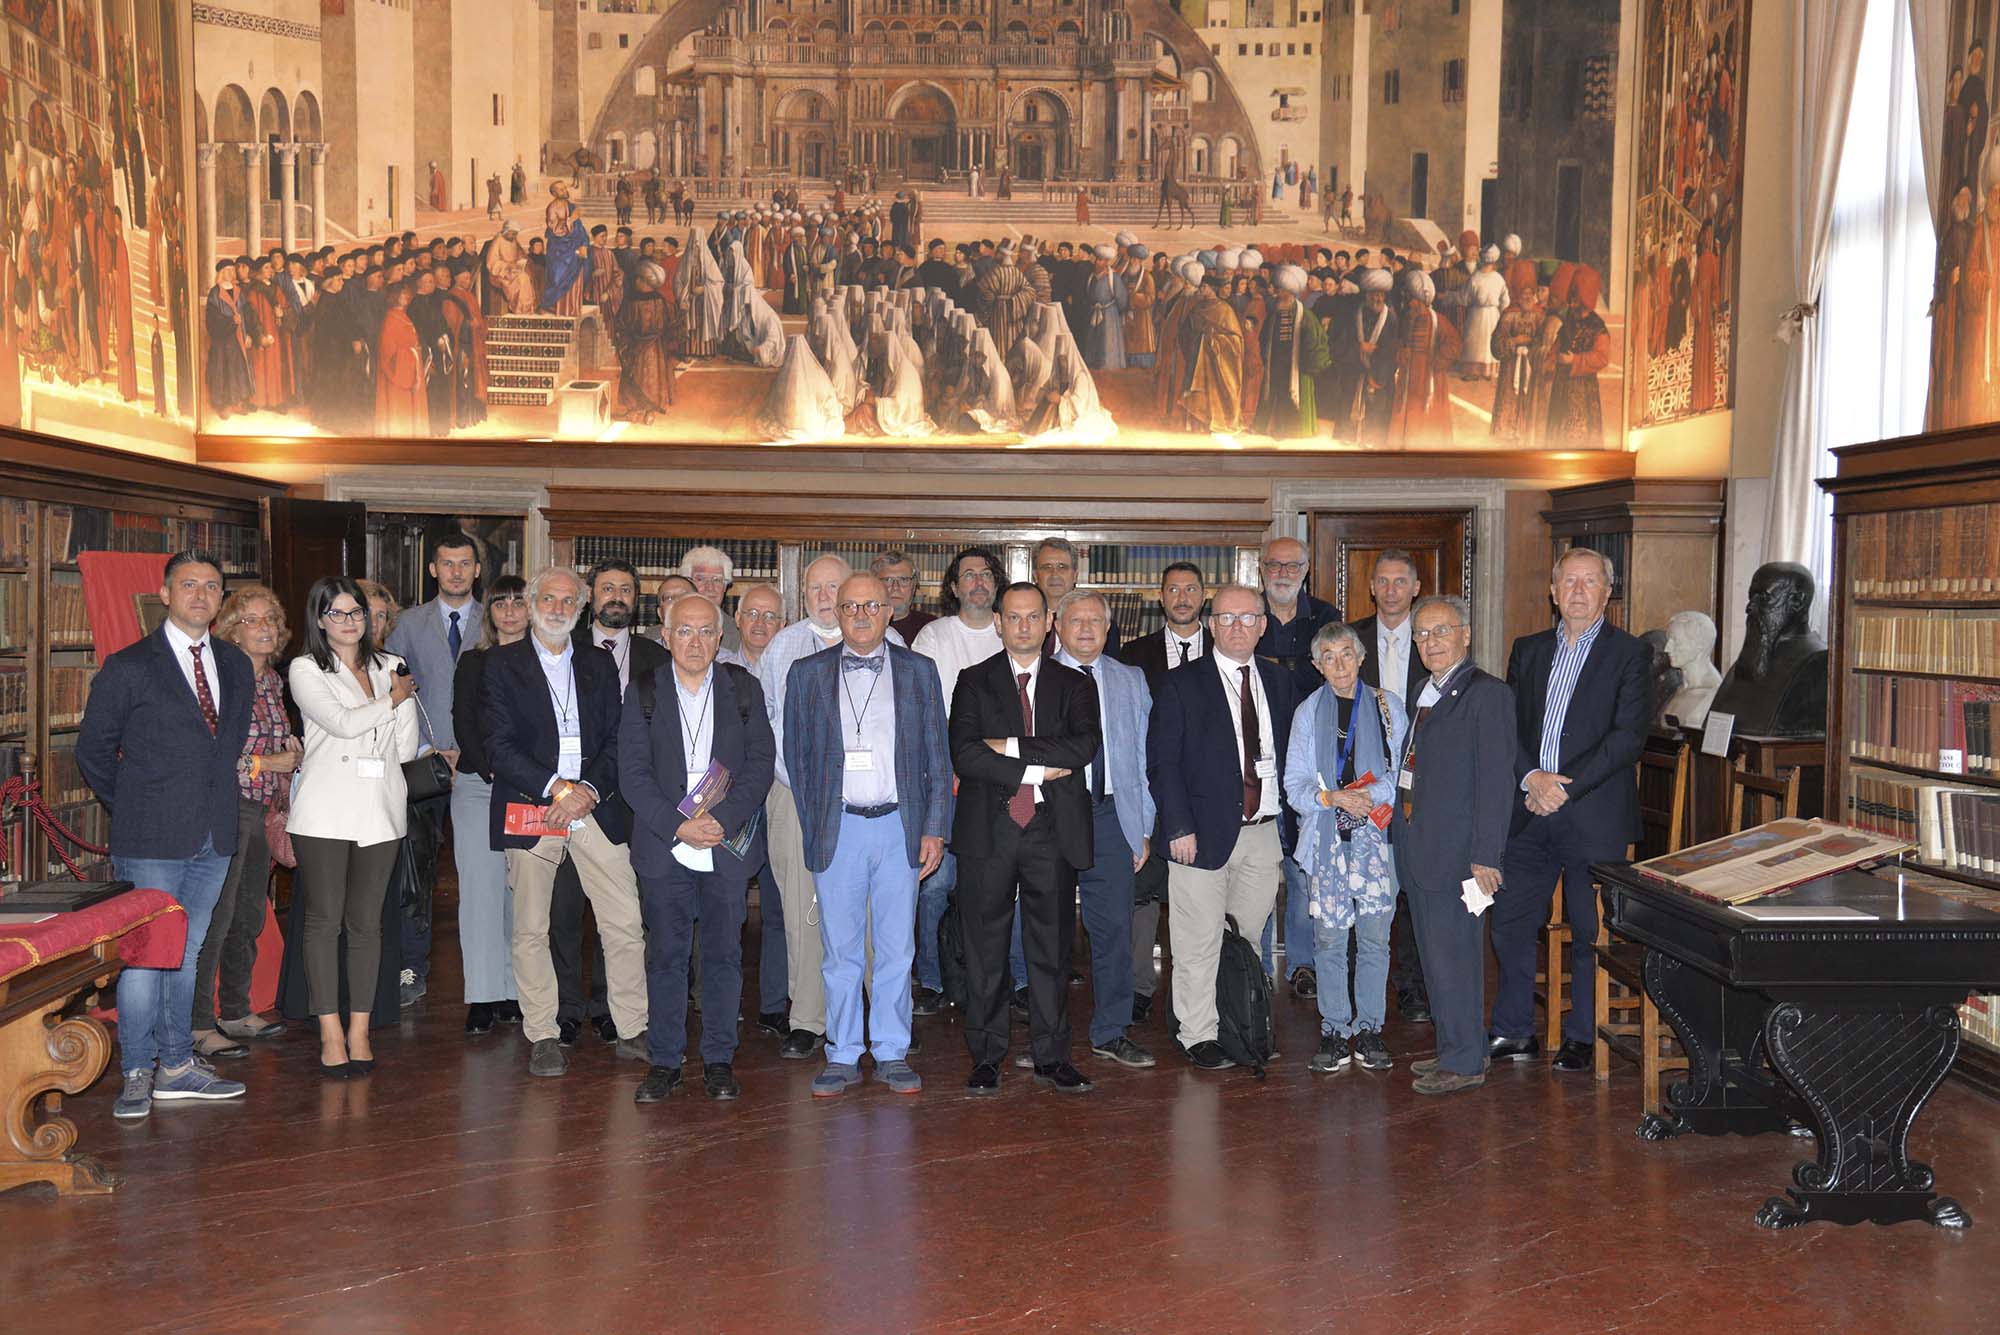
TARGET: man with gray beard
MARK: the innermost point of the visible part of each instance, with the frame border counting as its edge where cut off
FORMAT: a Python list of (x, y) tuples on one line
[(552, 711)]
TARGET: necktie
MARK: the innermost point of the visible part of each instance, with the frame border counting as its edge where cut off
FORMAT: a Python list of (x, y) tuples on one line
[(856, 663), (612, 645), (1021, 806), (453, 637), (1184, 653), (201, 691), (1096, 761), (1253, 787)]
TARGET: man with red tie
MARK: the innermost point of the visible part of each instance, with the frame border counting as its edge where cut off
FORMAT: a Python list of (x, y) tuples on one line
[(1023, 729)]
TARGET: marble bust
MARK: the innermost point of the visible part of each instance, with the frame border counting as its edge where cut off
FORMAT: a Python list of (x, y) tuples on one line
[(1666, 678), (1691, 649), (1777, 685)]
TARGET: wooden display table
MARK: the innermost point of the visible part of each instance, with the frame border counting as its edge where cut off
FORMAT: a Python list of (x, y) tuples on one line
[(49, 1046), (1844, 1026)]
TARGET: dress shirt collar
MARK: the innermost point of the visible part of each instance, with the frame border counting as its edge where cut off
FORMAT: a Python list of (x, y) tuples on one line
[(879, 651), (468, 613), (550, 658), (707, 678), (1033, 669), (182, 641), (1175, 639), (1443, 679), (1068, 659), (1225, 664), (621, 639), (1586, 639)]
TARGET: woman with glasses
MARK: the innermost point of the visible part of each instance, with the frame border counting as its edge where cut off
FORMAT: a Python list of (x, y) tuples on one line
[(350, 808), (1339, 779), (485, 904), (254, 622)]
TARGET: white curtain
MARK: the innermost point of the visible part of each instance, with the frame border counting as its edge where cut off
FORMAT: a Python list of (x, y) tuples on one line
[(1829, 40)]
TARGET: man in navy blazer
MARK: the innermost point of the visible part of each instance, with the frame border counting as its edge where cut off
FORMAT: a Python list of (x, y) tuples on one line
[(866, 750), (1450, 826), (686, 870), (1122, 815), (552, 710), (162, 732), (1582, 706), (1215, 756)]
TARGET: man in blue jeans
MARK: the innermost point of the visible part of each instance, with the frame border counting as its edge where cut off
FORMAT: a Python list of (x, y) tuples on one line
[(162, 733)]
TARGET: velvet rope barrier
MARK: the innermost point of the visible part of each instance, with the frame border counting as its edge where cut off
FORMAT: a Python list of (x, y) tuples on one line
[(22, 792)]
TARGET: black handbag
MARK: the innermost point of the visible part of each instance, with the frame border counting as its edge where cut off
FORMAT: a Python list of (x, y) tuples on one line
[(428, 777)]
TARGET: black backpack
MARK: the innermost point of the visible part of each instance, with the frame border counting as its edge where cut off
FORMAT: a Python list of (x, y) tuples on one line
[(951, 957), (1242, 1003), (648, 689)]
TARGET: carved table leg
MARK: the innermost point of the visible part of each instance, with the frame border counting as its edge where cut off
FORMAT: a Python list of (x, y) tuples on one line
[(43, 1056), (1711, 1021), (1865, 1073)]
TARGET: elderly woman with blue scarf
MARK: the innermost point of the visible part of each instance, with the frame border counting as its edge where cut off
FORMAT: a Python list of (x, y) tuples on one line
[(1347, 731)]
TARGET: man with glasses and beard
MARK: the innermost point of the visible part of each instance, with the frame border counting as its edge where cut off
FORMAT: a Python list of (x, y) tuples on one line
[(552, 711)]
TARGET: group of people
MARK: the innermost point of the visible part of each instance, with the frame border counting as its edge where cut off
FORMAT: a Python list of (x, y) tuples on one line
[(1010, 764)]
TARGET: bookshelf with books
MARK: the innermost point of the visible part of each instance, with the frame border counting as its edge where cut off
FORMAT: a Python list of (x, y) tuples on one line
[(1914, 643), (57, 502)]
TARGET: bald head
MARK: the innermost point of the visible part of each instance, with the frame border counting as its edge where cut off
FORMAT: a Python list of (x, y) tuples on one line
[(694, 633), (862, 603), (822, 580)]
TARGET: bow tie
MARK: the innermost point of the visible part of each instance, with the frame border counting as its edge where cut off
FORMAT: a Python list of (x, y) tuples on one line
[(856, 663)]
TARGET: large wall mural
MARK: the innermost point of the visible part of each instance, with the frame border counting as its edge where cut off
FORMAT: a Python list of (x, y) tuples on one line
[(95, 306), (1053, 221), (1965, 306)]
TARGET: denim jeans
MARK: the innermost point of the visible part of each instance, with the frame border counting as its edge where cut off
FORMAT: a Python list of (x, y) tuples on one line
[(1337, 1015), (869, 885), (1299, 935), (933, 897), (1105, 895), (154, 1004)]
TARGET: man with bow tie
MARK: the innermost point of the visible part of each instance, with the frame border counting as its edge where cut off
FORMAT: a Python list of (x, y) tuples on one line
[(864, 744)]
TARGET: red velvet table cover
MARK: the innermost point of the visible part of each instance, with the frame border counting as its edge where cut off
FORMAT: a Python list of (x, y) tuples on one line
[(149, 925)]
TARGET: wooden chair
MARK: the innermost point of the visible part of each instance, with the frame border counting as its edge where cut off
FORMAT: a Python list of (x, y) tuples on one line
[(1627, 1021), (1552, 978), (1782, 792)]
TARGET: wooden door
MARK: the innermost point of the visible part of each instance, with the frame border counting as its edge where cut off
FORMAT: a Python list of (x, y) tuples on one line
[(1345, 544), (305, 540)]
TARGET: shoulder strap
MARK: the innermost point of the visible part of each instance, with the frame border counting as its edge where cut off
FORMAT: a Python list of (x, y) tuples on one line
[(737, 677), (1382, 707), (647, 689)]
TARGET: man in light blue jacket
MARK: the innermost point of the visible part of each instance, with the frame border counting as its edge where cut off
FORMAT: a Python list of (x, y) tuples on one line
[(1122, 818)]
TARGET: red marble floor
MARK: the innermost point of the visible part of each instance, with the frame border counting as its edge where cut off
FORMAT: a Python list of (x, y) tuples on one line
[(449, 1192)]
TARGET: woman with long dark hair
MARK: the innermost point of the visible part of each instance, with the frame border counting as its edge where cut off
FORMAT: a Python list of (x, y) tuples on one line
[(350, 807)]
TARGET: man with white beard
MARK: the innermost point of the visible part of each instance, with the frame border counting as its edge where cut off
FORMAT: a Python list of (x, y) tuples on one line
[(551, 709), (1291, 618)]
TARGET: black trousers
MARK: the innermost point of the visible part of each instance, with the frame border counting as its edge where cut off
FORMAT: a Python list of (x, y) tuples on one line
[(1548, 849), (1454, 944), (570, 939), (1406, 961), (1027, 860)]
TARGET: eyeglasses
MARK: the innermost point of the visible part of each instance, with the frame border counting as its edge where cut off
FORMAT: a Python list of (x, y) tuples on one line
[(975, 577), (1247, 620), (773, 617), (850, 608), (692, 632), (259, 623), (708, 581), (898, 581), (1055, 567), (1286, 567), (1437, 633), (352, 616)]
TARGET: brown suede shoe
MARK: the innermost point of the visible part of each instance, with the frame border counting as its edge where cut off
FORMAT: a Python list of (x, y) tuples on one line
[(1446, 1082)]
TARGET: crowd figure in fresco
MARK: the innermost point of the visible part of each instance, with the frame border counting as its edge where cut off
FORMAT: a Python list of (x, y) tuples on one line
[(1965, 303), (76, 307)]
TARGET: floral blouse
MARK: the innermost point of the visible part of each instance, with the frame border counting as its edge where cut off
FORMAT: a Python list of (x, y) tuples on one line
[(269, 727)]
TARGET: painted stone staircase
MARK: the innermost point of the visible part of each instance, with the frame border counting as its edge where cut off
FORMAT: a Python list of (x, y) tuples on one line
[(528, 358)]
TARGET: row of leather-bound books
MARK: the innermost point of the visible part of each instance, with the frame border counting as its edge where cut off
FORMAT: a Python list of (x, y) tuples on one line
[(1924, 722), (1944, 554), (1954, 826)]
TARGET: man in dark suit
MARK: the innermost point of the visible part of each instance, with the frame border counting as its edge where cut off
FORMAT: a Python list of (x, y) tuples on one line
[(1582, 705), (686, 870), (552, 710), (1182, 640), (1023, 727), (1215, 757), (611, 624), (1450, 827), (865, 747), (162, 730), (1395, 584)]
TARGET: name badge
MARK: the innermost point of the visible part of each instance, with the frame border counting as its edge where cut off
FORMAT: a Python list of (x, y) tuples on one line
[(860, 762), (371, 767), (695, 776), (569, 746), (1267, 768), (1407, 780)]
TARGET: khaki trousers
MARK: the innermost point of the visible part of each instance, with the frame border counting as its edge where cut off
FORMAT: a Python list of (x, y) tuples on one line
[(605, 870), (1244, 888), (787, 842)]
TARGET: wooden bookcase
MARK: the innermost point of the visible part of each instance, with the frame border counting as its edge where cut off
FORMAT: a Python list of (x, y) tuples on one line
[(1913, 638), (56, 500), (1124, 542), (1664, 538)]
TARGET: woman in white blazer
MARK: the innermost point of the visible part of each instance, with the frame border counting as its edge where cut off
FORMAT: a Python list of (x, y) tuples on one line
[(350, 807)]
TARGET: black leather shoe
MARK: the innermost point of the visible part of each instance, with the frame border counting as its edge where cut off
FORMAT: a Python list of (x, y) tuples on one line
[(1209, 1056), (1019, 1004), (507, 1012), (1305, 984), (1063, 1079), (607, 1028), (719, 1079), (660, 1081), (1573, 1055), (479, 1018), (1413, 1008), (985, 1079), (926, 1001), (775, 1023), (1513, 1049), (566, 1032), (800, 1044), (1142, 1006)]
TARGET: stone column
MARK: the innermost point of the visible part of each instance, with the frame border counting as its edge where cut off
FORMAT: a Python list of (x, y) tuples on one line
[(253, 201), (316, 153), (288, 196), (204, 157)]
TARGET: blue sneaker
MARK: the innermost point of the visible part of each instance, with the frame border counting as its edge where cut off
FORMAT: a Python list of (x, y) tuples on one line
[(194, 1081), (898, 1076), (136, 1099), (836, 1079)]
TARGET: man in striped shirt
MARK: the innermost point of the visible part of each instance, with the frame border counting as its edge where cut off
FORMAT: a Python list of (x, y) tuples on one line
[(1581, 705)]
